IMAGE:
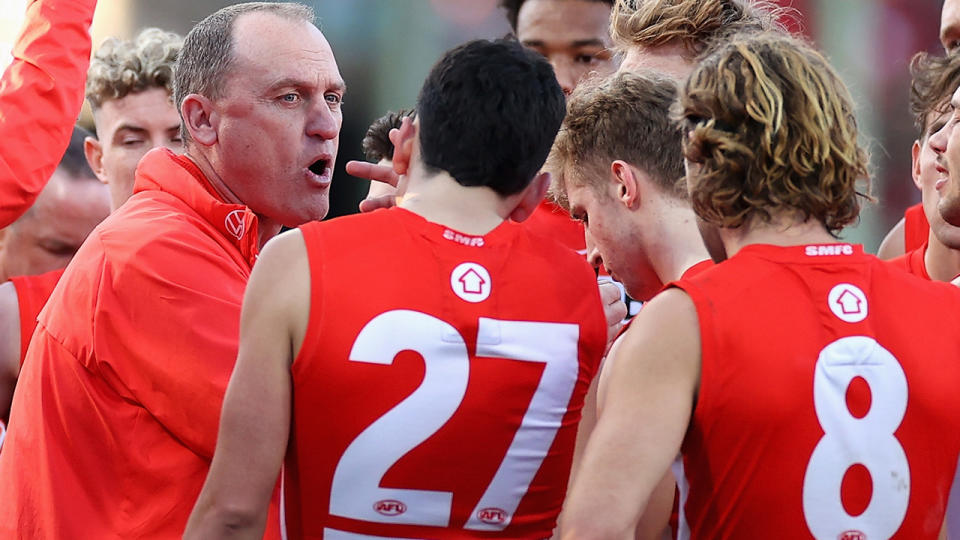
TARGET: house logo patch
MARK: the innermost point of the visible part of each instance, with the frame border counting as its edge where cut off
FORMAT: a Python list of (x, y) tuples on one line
[(471, 282), (848, 303)]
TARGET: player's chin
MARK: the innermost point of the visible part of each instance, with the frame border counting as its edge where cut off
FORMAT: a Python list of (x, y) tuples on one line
[(949, 207)]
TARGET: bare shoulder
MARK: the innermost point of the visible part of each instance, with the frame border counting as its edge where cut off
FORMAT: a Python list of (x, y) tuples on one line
[(662, 345), (893, 244), (667, 322), (282, 269), (279, 288)]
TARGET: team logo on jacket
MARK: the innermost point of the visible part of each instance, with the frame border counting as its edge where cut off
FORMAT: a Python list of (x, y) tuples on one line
[(389, 507), (492, 516), (848, 303), (471, 282), (234, 224), (852, 535)]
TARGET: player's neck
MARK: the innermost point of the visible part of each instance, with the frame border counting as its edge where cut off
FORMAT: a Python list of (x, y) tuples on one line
[(438, 198), (678, 244), (942, 262), (783, 231)]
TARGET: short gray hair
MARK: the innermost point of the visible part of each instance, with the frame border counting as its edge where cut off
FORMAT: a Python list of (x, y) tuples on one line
[(208, 49)]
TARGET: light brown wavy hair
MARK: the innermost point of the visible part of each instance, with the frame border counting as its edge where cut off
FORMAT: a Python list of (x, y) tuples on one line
[(694, 23), (934, 79), (772, 129), (122, 67), (627, 117)]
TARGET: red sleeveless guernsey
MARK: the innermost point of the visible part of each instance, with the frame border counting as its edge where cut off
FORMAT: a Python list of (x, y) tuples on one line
[(828, 400), (440, 399)]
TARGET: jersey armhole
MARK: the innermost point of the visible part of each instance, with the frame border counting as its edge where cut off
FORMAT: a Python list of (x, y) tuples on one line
[(313, 241), (708, 342)]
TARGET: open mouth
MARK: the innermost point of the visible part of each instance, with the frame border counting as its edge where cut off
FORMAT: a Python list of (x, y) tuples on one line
[(319, 167)]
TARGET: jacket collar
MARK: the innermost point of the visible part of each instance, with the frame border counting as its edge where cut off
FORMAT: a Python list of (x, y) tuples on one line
[(162, 170)]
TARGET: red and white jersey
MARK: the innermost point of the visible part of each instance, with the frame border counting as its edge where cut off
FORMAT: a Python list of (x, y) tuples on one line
[(828, 403), (441, 399)]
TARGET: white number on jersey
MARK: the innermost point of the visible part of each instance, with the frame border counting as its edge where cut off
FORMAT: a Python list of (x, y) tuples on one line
[(356, 491), (849, 440)]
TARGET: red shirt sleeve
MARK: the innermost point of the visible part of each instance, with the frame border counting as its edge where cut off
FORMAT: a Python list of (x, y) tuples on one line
[(40, 97), (32, 294)]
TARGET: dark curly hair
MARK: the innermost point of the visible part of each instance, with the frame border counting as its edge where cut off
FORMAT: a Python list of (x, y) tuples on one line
[(772, 128), (376, 143)]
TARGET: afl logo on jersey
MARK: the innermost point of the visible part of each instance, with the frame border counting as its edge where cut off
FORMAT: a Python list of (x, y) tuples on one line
[(389, 507), (492, 516), (852, 535), (471, 282), (848, 303)]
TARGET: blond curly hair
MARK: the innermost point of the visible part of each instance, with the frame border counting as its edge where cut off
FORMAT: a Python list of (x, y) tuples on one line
[(122, 67), (693, 23), (772, 129)]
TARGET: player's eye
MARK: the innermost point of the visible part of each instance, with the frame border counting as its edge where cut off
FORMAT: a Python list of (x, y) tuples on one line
[(334, 100)]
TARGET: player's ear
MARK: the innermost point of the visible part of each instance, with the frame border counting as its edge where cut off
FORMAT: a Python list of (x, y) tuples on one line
[(93, 151), (915, 169), (531, 196), (628, 185), (404, 140), (200, 119)]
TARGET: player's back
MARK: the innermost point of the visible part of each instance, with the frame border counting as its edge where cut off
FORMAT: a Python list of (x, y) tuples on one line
[(828, 400), (440, 401)]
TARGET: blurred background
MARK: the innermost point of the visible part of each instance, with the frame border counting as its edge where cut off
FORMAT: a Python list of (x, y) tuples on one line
[(385, 48)]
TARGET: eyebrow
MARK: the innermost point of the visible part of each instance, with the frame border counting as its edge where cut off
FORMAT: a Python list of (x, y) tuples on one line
[(576, 43), (130, 127), (337, 85)]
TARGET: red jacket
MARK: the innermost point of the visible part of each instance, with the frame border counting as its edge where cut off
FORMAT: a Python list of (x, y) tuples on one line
[(40, 97), (115, 417)]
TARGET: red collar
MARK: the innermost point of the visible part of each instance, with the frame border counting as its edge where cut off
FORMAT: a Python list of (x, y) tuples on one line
[(162, 170)]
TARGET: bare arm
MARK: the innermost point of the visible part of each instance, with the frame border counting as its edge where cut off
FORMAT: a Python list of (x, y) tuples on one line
[(9, 346), (893, 244), (646, 401), (255, 422)]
